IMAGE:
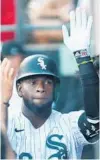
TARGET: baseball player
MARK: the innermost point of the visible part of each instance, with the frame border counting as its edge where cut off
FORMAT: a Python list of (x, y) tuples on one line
[(39, 132)]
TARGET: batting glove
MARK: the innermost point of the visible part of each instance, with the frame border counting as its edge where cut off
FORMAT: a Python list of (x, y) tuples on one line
[(80, 30)]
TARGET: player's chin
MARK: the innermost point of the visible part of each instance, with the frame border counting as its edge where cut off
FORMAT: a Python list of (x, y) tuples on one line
[(40, 102)]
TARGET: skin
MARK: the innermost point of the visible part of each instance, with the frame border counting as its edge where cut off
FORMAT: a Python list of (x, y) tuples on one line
[(37, 94), (15, 61), (8, 68), (6, 81)]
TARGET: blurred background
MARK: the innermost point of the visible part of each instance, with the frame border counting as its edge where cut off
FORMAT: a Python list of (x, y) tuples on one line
[(36, 24)]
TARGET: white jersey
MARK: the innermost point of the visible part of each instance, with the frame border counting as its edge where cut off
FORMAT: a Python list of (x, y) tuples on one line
[(58, 138)]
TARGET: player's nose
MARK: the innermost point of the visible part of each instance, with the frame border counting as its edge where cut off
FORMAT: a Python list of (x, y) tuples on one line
[(41, 87)]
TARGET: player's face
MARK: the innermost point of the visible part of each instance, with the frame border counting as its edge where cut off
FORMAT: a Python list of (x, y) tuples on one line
[(37, 90)]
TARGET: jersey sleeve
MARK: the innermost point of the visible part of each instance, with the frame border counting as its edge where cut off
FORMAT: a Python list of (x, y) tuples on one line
[(84, 134)]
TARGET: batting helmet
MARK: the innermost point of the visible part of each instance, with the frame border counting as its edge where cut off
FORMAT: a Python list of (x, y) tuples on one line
[(38, 65)]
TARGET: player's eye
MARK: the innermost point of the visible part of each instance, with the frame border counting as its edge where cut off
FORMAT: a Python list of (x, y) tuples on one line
[(33, 82), (49, 81)]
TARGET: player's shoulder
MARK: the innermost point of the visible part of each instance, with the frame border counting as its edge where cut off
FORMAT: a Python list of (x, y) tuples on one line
[(15, 117), (16, 121), (74, 114), (67, 121), (55, 114), (71, 117)]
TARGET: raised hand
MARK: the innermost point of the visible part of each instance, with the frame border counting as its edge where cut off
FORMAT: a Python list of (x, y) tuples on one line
[(7, 78), (80, 31), (6, 82)]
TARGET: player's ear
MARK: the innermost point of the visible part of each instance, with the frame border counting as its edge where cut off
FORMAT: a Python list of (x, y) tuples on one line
[(19, 89)]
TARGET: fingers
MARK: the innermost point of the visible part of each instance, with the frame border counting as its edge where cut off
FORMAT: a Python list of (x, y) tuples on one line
[(65, 33), (72, 22), (78, 18), (7, 70), (89, 27), (89, 24), (11, 74), (3, 64), (84, 19)]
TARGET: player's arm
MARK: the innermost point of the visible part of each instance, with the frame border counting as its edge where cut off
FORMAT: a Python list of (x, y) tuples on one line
[(89, 121), (6, 79), (78, 43)]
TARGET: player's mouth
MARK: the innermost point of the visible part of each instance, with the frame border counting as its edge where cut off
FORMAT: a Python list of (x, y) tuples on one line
[(40, 97), (40, 100)]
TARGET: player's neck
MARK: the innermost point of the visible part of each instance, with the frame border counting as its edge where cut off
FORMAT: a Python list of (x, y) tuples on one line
[(37, 118)]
